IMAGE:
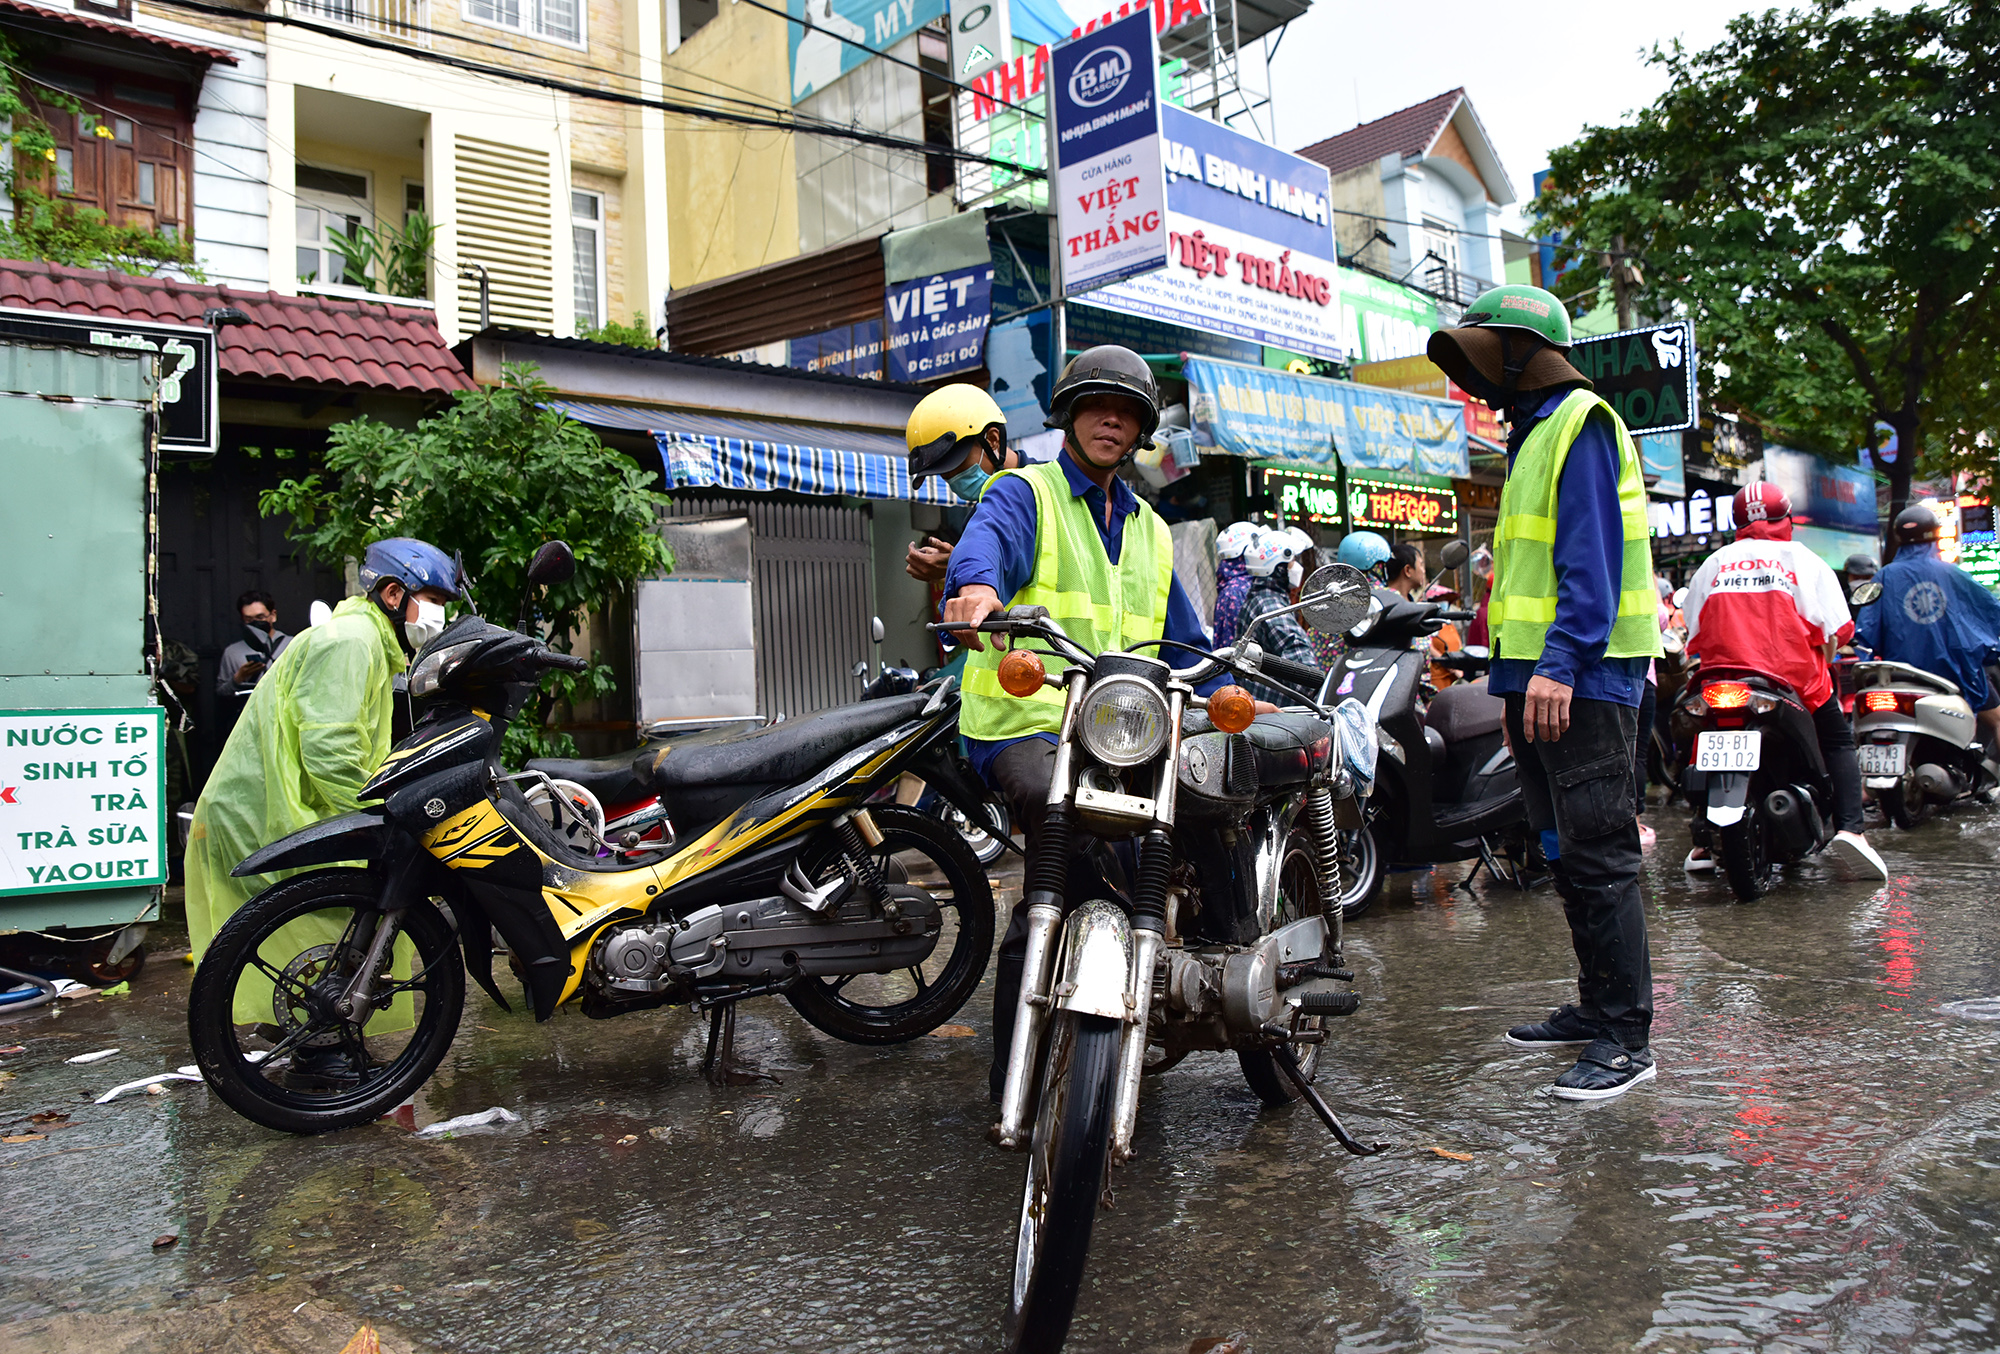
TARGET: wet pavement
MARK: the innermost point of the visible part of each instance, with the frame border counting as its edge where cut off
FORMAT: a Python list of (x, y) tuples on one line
[(1817, 1167)]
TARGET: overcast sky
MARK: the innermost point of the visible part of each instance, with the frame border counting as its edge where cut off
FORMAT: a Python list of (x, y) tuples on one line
[(1536, 75)]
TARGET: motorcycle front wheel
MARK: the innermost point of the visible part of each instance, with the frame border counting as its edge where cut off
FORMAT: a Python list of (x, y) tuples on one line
[(917, 851), (1364, 869), (262, 1017), (1066, 1175)]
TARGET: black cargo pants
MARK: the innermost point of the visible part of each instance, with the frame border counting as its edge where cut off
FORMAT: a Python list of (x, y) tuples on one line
[(1580, 786)]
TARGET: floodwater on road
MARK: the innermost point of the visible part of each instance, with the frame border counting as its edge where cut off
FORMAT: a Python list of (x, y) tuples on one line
[(1816, 1168)]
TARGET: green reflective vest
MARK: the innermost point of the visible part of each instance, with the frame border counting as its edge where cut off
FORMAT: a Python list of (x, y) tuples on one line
[(1099, 604), (1523, 603)]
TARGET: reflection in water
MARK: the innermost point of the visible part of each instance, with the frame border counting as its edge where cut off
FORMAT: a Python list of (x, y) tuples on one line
[(1817, 1167)]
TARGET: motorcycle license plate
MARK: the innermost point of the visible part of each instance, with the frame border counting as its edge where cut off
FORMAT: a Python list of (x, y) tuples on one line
[(1880, 759), (1728, 750)]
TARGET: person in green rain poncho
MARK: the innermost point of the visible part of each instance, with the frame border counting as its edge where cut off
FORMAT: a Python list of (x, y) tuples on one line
[(311, 735)]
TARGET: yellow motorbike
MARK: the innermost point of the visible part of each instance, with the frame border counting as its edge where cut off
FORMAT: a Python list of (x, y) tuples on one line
[(331, 997)]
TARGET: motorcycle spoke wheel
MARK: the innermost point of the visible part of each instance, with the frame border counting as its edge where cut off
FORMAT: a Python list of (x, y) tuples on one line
[(1067, 1166), (907, 1001), (261, 1014), (1298, 897)]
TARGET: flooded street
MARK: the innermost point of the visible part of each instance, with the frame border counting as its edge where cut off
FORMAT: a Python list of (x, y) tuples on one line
[(1816, 1168)]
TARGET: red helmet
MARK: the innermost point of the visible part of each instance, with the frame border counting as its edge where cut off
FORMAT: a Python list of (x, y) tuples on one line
[(1762, 502)]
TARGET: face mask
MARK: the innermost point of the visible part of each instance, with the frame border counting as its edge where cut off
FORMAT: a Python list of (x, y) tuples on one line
[(428, 625), (1296, 572), (968, 482)]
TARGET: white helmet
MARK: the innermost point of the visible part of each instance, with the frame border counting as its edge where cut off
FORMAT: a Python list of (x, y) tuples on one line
[(1235, 539), (1301, 542), (1271, 549)]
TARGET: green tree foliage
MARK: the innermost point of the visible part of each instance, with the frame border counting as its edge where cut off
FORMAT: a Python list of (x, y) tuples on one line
[(45, 226), (1821, 191), (493, 476)]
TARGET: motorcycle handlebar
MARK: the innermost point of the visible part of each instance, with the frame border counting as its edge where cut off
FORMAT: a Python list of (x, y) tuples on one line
[(1456, 616), (563, 662), (1301, 675)]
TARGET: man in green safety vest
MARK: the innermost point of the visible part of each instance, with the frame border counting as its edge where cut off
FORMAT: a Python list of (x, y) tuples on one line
[(1574, 622), (1069, 535)]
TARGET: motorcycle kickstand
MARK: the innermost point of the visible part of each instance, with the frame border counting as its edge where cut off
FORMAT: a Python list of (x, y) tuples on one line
[(1289, 1065), (719, 1064)]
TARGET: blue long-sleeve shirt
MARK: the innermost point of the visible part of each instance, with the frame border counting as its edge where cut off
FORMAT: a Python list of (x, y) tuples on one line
[(998, 549), (1590, 564)]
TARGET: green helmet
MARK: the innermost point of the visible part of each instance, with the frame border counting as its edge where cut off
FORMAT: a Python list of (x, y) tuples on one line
[(1529, 308)]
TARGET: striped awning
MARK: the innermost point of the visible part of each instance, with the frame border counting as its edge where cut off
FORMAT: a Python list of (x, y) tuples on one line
[(709, 451)]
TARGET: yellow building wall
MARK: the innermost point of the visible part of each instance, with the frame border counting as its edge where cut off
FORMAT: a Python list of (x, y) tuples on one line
[(733, 191)]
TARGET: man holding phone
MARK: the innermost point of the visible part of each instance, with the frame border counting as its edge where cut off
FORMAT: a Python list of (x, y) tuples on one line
[(247, 660)]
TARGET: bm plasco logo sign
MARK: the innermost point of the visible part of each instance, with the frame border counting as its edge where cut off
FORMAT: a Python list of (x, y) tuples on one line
[(1099, 78)]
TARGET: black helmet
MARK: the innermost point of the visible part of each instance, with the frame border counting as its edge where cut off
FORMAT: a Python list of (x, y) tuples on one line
[(1859, 567), (1107, 370), (1916, 523)]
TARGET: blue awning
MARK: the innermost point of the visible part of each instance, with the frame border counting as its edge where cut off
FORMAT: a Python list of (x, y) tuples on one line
[(708, 451)]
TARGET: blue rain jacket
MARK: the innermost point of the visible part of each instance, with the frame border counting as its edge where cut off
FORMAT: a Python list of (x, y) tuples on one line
[(1933, 616)]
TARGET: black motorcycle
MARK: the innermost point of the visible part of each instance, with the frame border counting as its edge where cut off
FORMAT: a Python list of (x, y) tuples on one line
[(332, 996)]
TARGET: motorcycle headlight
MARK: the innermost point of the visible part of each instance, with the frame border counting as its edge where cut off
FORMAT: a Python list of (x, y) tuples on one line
[(432, 668), (1123, 721)]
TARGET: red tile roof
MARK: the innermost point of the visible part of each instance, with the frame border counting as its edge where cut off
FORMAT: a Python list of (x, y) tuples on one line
[(1407, 132), (315, 340), (67, 19)]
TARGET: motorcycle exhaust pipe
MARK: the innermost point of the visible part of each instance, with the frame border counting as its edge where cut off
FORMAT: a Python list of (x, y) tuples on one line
[(1934, 783)]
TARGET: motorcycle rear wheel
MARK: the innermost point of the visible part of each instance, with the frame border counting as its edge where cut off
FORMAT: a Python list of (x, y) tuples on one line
[(1067, 1165), (1744, 861), (894, 1008), (299, 1081), (1903, 803)]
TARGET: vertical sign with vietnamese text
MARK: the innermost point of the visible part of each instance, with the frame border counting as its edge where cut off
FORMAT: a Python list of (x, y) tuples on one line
[(937, 325), (1104, 132), (82, 799)]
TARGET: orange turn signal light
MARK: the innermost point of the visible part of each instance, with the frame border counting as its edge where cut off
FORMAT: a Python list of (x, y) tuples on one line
[(1726, 695), (1021, 673), (1231, 709)]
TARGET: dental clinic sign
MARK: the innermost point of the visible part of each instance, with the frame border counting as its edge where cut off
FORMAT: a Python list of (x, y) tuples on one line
[(1250, 230), (1105, 134), (82, 799)]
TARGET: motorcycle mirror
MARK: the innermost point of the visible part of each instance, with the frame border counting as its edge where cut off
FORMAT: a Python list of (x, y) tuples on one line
[(1864, 593), (1454, 554), (1336, 598), (1478, 651), (875, 630), (553, 563)]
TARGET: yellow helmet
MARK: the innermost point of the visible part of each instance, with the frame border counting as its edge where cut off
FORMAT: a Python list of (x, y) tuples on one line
[(944, 418)]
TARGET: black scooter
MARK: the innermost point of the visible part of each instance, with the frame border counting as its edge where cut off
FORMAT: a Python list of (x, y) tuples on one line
[(1446, 788)]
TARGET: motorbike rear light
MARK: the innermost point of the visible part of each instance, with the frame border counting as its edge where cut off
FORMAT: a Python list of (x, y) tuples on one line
[(1231, 709), (1878, 701), (1022, 673), (1726, 695)]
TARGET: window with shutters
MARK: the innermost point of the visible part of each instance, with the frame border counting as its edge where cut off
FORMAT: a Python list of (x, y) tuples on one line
[(504, 216), (128, 153), (557, 20)]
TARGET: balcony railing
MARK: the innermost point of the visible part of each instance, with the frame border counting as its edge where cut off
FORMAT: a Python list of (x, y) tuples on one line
[(1462, 288), (405, 20)]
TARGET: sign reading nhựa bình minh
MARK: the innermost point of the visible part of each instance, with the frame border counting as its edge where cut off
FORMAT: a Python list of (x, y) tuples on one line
[(1647, 375), (1104, 127), (82, 799), (1250, 235), (1258, 413)]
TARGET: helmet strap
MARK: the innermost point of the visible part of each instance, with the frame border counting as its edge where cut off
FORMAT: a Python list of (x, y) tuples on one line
[(394, 613)]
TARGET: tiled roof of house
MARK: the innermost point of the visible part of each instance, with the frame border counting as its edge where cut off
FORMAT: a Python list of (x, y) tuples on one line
[(69, 20), (1406, 132), (316, 340)]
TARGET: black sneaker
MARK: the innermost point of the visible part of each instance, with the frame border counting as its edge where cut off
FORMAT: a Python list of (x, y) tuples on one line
[(1607, 1069), (1564, 1028), (327, 1069)]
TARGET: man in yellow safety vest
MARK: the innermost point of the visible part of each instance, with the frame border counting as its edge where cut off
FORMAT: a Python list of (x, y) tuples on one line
[(1574, 625), (1069, 535)]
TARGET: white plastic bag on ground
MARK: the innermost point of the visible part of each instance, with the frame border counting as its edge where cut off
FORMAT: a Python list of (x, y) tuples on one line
[(497, 1115)]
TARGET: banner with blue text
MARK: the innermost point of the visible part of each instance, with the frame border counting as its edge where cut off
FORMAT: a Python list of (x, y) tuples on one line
[(1261, 413), (937, 325)]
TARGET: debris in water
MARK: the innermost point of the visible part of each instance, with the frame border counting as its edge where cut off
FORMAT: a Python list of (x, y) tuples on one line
[(952, 1032), (120, 990), (165, 1239), (660, 1134), (1239, 1343), (156, 1088), (48, 1117), (96, 1057), (364, 1342), (628, 1140), (1452, 1156), (12, 1138), (11, 1050), (499, 1114), (1973, 1008)]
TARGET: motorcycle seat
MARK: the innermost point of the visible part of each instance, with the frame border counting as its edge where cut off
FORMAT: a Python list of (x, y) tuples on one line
[(776, 753), (615, 780), (1465, 710)]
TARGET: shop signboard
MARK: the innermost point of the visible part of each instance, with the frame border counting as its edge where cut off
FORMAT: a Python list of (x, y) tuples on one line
[(845, 350), (187, 364), (982, 35), (1303, 495), (1660, 456), (1104, 130), (1647, 375), (937, 325), (1257, 412), (1406, 508), (1824, 495), (84, 792), (1250, 229), (1380, 320), (829, 38), (1421, 376)]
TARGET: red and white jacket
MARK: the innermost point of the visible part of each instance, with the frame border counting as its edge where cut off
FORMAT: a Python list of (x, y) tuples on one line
[(1769, 605)]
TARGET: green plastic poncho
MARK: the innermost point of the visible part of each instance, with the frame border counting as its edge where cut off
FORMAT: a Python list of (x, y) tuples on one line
[(314, 731)]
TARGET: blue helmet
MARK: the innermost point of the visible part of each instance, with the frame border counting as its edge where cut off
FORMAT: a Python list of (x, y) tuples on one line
[(1364, 550), (415, 564)]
